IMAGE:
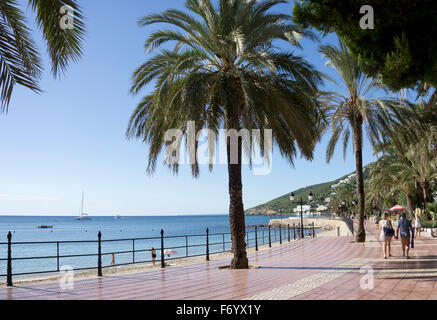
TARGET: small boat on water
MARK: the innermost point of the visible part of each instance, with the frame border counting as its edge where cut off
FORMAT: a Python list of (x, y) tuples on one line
[(117, 216), (45, 227)]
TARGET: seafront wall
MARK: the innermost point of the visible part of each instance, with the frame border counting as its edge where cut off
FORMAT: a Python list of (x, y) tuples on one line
[(323, 223)]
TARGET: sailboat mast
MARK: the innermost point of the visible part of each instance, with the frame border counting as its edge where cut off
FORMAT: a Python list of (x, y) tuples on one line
[(81, 207)]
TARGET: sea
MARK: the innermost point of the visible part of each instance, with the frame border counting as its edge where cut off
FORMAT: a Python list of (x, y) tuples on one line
[(75, 241)]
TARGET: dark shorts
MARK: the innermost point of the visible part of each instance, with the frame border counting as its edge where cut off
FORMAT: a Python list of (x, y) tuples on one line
[(153, 255)]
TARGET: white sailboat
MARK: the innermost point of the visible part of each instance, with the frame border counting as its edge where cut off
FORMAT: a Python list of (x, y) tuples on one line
[(83, 216)]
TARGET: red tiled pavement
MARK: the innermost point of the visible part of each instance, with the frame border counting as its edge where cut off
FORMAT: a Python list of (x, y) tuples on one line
[(394, 278)]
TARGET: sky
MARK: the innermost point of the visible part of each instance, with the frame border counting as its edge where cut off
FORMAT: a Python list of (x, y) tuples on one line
[(71, 137)]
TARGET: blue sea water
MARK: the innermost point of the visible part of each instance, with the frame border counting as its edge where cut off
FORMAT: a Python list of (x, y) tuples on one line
[(180, 230)]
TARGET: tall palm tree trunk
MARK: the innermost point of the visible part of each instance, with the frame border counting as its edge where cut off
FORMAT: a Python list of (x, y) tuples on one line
[(236, 208), (360, 233), (410, 203), (419, 195), (426, 197)]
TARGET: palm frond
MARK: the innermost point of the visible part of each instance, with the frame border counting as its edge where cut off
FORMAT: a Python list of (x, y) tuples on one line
[(64, 45)]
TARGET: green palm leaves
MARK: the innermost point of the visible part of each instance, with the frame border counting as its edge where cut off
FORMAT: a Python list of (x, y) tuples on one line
[(219, 62), (20, 62), (378, 115)]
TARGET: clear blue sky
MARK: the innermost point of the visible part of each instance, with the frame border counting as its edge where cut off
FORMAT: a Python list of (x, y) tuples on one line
[(71, 137)]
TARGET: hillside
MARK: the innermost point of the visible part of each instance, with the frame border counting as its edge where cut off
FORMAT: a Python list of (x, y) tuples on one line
[(282, 204)]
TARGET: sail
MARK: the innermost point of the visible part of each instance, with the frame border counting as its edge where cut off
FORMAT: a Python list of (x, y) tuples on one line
[(82, 215)]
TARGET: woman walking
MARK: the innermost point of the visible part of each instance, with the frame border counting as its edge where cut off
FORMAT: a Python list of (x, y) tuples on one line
[(386, 235), (417, 226)]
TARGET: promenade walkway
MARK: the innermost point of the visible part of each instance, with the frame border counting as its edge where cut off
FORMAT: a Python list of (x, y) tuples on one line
[(310, 269)]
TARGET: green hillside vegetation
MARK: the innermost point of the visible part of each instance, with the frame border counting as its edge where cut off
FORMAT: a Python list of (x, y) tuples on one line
[(321, 191)]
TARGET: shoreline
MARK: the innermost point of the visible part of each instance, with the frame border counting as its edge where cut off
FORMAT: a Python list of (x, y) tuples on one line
[(333, 226)]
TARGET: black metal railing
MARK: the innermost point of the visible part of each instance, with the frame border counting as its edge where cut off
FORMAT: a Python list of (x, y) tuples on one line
[(260, 235)]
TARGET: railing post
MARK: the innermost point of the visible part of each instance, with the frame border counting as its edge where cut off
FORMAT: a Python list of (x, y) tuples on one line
[(9, 266), (288, 228), (270, 237), (99, 255), (133, 250), (256, 238), (263, 238), (247, 238), (224, 247), (186, 245), (314, 234), (280, 234), (207, 244), (57, 255), (294, 231), (162, 249)]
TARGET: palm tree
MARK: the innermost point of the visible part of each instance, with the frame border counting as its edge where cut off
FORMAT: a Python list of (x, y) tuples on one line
[(415, 141), (224, 71), (349, 113), (392, 174), (20, 61)]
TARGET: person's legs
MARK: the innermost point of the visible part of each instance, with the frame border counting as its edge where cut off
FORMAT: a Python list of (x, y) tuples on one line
[(384, 249), (403, 246), (389, 247)]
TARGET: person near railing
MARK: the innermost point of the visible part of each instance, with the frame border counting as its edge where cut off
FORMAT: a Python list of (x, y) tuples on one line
[(153, 251)]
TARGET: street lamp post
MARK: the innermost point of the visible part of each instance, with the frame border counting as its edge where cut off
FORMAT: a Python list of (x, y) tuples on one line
[(310, 198)]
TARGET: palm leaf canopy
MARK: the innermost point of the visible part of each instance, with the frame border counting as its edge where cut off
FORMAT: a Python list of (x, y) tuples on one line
[(378, 115), (219, 60), (20, 62)]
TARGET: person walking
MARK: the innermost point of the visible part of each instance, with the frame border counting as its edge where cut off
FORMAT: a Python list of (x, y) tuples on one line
[(386, 235), (417, 227), (377, 219), (404, 230)]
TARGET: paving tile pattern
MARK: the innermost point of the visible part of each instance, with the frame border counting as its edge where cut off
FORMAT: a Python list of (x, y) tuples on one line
[(313, 268)]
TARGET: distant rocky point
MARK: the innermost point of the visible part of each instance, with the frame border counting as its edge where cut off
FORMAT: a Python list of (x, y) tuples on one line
[(258, 212)]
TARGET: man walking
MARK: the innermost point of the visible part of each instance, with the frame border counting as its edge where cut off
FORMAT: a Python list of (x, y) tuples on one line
[(404, 229)]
